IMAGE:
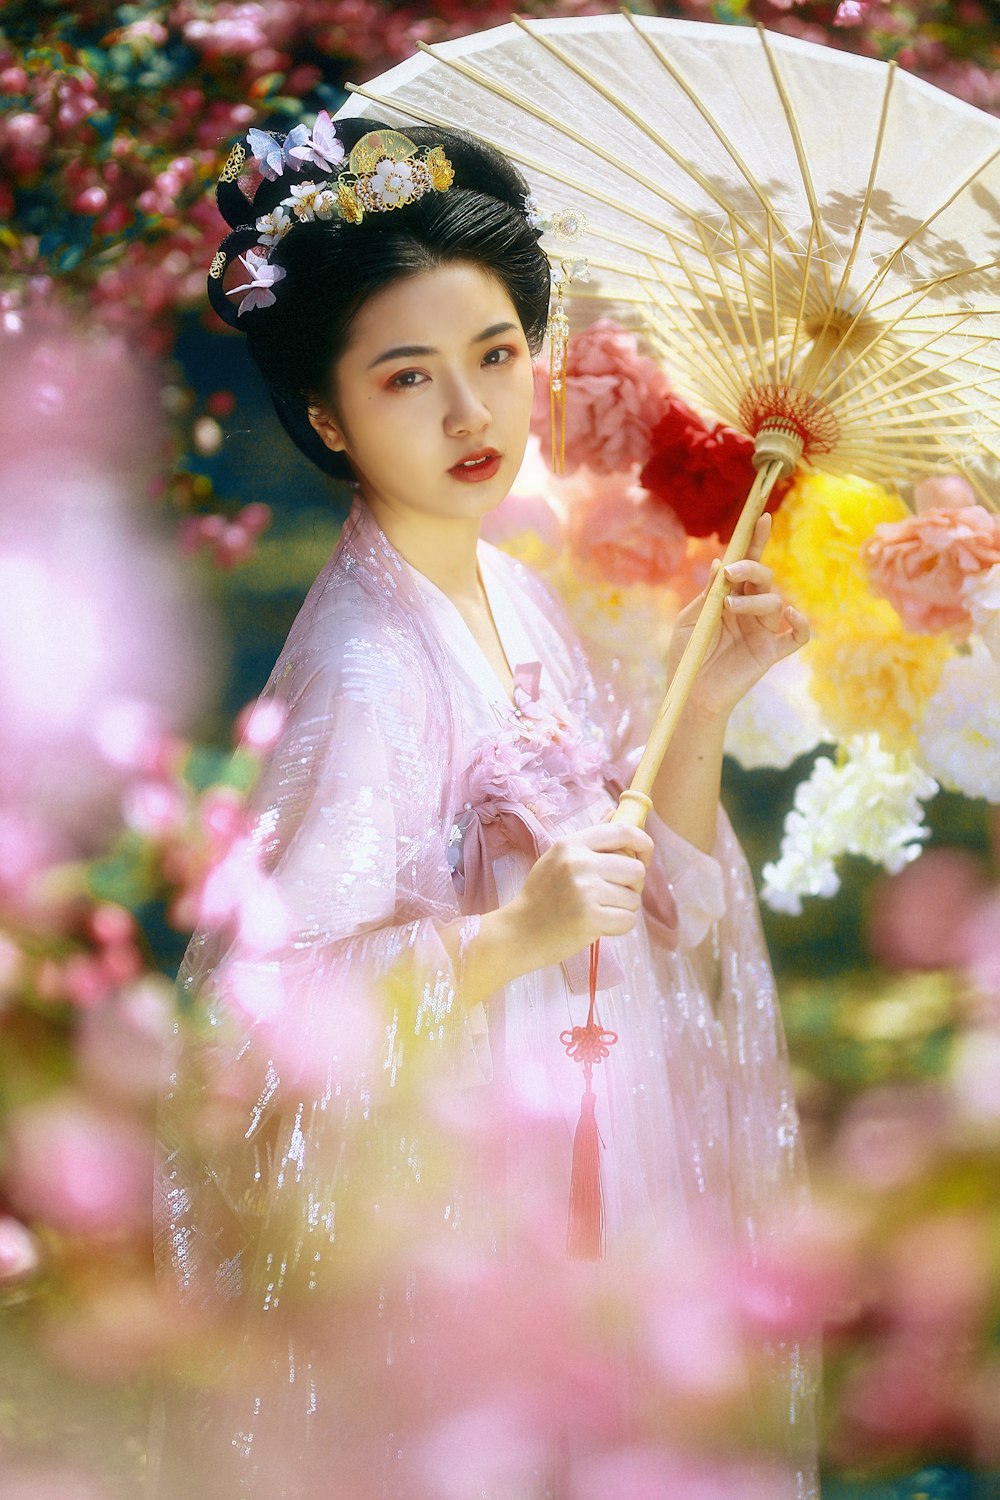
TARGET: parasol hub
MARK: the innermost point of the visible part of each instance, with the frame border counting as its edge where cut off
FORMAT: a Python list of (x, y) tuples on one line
[(777, 442), (766, 410)]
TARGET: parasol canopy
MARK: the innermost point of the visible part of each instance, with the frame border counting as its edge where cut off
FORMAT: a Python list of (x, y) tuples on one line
[(799, 233)]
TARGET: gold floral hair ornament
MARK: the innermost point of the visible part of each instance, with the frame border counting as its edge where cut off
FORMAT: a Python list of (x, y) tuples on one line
[(385, 170)]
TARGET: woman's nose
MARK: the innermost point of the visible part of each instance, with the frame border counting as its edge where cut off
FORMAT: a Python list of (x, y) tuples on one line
[(467, 412)]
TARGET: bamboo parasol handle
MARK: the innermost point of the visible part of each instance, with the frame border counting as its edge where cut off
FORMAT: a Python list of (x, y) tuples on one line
[(635, 802)]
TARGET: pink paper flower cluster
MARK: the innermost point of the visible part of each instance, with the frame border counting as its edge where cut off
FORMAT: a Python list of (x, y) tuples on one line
[(922, 563), (614, 397), (619, 534)]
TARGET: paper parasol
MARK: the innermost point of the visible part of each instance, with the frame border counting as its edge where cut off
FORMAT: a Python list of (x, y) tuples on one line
[(808, 239)]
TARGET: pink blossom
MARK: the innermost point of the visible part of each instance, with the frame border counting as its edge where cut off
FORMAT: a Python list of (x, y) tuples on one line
[(260, 724), (154, 808), (614, 397), (921, 563), (91, 201), (222, 814), (850, 13), (618, 534), (916, 917), (236, 891), (13, 81), (26, 131), (78, 1168), (129, 732)]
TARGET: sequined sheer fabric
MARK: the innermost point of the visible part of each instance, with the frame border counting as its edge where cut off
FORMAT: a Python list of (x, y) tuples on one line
[(407, 793)]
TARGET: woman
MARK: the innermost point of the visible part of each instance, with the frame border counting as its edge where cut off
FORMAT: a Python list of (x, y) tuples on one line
[(434, 820)]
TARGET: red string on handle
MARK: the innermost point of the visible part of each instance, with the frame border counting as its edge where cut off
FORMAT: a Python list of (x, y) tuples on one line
[(588, 1045)]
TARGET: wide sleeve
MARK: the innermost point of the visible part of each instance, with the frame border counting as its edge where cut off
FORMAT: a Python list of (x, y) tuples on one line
[(294, 1029)]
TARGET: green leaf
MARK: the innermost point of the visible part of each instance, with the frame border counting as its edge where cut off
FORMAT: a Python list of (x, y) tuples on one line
[(128, 876), (69, 258)]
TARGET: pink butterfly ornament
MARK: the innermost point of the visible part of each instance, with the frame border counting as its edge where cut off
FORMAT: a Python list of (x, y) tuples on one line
[(262, 277), (328, 151)]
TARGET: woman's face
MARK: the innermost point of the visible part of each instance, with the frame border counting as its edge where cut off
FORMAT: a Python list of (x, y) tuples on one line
[(433, 395)]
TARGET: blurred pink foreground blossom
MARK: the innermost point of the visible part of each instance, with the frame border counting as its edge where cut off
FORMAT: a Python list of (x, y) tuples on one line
[(98, 627)]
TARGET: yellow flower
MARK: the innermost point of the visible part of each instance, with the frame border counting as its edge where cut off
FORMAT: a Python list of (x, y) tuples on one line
[(869, 673), (815, 544), (441, 170)]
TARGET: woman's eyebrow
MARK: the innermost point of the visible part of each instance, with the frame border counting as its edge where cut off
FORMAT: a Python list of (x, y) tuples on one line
[(416, 351)]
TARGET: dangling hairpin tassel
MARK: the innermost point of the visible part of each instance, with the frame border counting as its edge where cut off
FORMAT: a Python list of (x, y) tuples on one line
[(557, 331)]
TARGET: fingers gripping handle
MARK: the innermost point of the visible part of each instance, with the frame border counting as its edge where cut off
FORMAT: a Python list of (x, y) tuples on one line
[(701, 638), (632, 808)]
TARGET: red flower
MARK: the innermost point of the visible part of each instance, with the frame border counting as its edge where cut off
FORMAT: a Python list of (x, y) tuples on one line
[(704, 473)]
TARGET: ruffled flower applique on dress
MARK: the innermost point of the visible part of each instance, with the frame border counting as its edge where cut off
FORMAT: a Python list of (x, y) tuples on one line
[(539, 765)]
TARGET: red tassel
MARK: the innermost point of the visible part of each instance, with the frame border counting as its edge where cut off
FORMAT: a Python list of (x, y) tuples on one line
[(585, 1234), (588, 1044)]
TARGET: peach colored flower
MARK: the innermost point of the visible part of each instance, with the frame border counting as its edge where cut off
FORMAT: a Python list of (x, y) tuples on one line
[(614, 398), (920, 564), (619, 534), (942, 492)]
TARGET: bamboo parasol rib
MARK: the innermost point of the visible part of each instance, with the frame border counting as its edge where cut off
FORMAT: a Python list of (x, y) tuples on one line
[(798, 279)]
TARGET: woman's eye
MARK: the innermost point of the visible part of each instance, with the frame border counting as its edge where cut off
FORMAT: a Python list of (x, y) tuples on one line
[(405, 380), (500, 356)]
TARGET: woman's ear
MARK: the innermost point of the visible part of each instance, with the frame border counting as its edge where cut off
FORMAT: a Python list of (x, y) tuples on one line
[(322, 420)]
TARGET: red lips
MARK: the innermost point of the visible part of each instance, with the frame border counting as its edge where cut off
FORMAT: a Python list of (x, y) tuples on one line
[(475, 467)]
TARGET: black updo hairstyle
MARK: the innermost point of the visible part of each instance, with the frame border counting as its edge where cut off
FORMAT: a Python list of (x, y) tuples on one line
[(333, 267)]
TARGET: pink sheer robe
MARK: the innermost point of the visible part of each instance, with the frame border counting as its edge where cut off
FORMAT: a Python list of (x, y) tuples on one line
[(406, 792)]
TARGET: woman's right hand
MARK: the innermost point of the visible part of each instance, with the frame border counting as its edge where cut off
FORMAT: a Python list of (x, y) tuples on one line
[(588, 885)]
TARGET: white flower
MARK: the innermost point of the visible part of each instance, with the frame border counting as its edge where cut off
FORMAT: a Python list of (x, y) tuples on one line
[(325, 204), (960, 733), (392, 183), (273, 226), (304, 198), (262, 277), (870, 805), (982, 592), (777, 721)]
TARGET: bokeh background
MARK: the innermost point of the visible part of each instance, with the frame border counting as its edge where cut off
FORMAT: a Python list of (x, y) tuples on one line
[(157, 535)]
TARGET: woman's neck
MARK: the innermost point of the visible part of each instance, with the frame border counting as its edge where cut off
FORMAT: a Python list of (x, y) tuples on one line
[(443, 548)]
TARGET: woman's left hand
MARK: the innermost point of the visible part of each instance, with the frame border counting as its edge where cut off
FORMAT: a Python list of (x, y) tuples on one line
[(758, 628)]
